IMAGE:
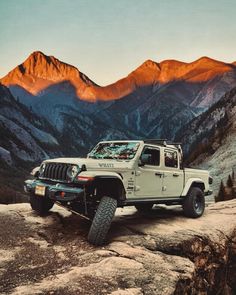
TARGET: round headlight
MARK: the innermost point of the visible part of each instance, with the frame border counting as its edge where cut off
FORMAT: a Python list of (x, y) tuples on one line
[(73, 171)]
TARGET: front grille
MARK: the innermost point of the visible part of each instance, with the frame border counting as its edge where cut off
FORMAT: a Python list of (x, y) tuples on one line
[(56, 171)]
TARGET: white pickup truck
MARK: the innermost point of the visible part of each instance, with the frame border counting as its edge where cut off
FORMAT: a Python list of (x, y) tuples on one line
[(121, 173)]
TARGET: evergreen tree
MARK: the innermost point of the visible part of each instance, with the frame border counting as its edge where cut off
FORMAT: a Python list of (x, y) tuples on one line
[(221, 194), (230, 181), (233, 193), (233, 176)]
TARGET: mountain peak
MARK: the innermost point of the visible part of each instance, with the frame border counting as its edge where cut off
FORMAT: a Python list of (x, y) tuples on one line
[(37, 54), (42, 66), (149, 65), (40, 71), (37, 57), (208, 62), (205, 59)]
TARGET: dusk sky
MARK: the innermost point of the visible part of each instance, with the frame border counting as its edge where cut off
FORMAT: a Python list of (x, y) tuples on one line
[(107, 39)]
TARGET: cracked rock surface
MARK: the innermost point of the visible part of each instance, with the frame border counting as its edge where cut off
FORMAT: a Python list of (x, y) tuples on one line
[(158, 253)]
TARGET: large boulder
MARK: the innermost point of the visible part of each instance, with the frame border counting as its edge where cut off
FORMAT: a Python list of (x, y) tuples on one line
[(158, 253)]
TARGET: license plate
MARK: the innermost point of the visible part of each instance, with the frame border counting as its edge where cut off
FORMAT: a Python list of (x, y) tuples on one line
[(40, 190)]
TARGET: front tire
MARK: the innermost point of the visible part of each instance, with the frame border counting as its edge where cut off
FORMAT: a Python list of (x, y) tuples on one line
[(194, 203), (102, 221), (41, 205)]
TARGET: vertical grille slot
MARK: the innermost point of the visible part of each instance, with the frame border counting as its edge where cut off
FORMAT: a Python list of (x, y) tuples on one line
[(56, 171), (53, 171), (64, 173), (59, 171), (49, 171)]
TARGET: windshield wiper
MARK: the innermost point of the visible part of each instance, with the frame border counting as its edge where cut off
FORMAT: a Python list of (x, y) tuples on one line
[(92, 157)]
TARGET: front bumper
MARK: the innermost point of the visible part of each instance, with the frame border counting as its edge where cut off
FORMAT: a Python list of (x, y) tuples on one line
[(56, 192)]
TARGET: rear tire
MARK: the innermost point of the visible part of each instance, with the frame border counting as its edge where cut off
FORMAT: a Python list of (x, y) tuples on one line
[(41, 205), (143, 207), (194, 203), (102, 221)]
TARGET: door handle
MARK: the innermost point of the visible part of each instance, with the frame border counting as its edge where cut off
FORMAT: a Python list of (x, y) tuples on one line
[(158, 174), (175, 174)]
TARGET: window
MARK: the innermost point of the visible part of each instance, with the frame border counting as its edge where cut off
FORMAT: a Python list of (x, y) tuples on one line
[(171, 159), (114, 150), (151, 156)]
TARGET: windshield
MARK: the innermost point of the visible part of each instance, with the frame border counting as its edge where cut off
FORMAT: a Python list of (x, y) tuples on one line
[(114, 150)]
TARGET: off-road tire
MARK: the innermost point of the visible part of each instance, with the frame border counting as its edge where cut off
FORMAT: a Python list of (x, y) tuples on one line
[(143, 208), (194, 203), (102, 221), (41, 205)]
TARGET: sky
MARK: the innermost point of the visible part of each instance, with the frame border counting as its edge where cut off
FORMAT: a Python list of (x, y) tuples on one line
[(107, 39)]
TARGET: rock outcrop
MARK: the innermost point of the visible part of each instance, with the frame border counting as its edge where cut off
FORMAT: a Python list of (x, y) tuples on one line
[(160, 253)]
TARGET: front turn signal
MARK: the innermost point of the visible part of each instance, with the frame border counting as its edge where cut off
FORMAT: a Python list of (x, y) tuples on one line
[(85, 178)]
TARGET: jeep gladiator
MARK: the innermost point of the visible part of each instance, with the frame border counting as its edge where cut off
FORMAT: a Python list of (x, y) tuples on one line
[(120, 173)]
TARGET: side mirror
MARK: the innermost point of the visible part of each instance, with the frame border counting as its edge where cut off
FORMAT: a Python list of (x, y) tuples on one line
[(144, 159)]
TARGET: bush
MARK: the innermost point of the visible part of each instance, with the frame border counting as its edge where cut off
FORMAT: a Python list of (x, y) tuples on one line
[(227, 192), (221, 194)]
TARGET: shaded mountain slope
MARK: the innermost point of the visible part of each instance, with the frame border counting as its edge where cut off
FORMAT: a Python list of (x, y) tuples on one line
[(31, 138), (27, 136), (155, 100), (210, 139), (150, 101)]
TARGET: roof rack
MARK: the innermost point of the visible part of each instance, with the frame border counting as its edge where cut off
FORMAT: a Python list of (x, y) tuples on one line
[(156, 141), (174, 143), (163, 142)]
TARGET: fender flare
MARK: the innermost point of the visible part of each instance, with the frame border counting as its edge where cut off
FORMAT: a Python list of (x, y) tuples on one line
[(105, 182), (190, 183), (112, 186)]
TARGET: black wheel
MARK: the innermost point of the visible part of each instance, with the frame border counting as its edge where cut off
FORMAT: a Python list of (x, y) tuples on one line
[(194, 203), (102, 221), (40, 204), (144, 207)]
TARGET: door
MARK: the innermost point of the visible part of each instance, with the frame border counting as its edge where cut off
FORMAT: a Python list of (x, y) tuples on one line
[(148, 180), (173, 177)]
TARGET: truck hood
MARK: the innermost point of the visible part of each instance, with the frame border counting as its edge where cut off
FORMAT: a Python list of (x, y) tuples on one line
[(95, 164)]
